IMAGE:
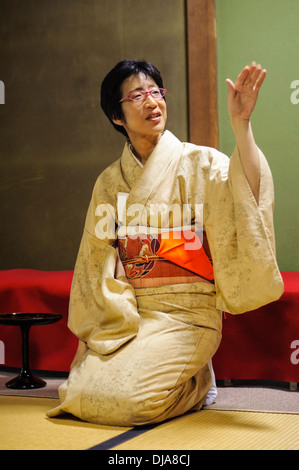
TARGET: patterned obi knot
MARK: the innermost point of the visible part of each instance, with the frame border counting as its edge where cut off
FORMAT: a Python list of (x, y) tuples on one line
[(145, 268)]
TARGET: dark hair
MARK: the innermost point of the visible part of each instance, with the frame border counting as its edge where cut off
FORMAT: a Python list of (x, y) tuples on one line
[(111, 87)]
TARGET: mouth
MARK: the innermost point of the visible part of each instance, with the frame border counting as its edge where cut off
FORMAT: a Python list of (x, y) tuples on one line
[(154, 117)]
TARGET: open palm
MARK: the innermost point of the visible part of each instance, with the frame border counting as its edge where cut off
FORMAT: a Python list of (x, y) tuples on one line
[(242, 95)]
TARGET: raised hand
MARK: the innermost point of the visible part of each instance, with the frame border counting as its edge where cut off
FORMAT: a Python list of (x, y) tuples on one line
[(242, 95)]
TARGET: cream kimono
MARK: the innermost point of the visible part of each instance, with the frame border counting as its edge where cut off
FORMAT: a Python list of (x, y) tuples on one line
[(149, 343)]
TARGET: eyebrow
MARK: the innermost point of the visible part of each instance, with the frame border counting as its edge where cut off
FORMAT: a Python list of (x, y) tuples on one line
[(142, 89)]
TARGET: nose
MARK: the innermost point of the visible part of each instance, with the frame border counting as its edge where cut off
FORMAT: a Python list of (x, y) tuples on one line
[(150, 101)]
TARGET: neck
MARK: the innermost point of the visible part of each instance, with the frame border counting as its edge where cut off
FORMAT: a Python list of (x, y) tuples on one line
[(143, 147)]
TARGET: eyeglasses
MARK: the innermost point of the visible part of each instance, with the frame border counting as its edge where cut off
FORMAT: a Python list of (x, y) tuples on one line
[(140, 96)]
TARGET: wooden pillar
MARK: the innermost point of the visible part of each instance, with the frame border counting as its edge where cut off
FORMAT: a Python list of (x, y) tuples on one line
[(202, 72)]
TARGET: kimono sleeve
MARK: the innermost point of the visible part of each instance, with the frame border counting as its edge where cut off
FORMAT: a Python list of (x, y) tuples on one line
[(242, 241)]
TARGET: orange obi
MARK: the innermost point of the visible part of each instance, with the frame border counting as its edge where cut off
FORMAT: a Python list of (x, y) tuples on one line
[(165, 259)]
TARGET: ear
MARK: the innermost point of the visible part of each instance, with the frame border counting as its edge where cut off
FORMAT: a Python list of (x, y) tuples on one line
[(119, 122)]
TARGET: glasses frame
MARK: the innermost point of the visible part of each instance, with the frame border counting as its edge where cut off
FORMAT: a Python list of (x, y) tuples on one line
[(145, 95)]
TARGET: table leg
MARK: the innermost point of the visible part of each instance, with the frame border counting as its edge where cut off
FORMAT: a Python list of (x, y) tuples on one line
[(25, 379)]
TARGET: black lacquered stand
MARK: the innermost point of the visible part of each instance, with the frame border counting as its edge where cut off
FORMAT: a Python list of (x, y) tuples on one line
[(25, 379)]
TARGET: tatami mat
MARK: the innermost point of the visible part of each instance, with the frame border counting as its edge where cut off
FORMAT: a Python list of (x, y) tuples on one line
[(24, 425), (221, 430)]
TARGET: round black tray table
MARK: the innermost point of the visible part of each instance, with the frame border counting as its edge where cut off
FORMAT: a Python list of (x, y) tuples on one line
[(25, 379)]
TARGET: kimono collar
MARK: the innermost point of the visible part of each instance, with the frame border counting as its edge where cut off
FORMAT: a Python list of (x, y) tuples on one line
[(143, 181)]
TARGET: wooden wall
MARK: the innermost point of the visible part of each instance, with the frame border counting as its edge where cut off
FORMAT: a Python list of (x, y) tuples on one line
[(55, 139)]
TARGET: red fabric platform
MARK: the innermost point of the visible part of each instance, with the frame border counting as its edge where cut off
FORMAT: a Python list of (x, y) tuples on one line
[(262, 344), (51, 347)]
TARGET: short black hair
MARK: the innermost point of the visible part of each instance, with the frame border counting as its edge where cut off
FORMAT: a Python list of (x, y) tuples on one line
[(111, 87)]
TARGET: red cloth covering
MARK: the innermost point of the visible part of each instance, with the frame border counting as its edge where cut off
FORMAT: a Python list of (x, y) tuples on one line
[(258, 344), (255, 345), (51, 347)]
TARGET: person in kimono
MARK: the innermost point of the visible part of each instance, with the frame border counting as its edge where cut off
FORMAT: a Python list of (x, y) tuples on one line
[(175, 235)]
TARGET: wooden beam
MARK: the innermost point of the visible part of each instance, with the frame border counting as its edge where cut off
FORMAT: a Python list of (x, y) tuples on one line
[(202, 72)]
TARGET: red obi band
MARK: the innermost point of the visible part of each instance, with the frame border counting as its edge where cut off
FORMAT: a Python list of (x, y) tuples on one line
[(167, 259)]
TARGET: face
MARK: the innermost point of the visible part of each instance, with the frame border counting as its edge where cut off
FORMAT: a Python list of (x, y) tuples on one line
[(142, 119)]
